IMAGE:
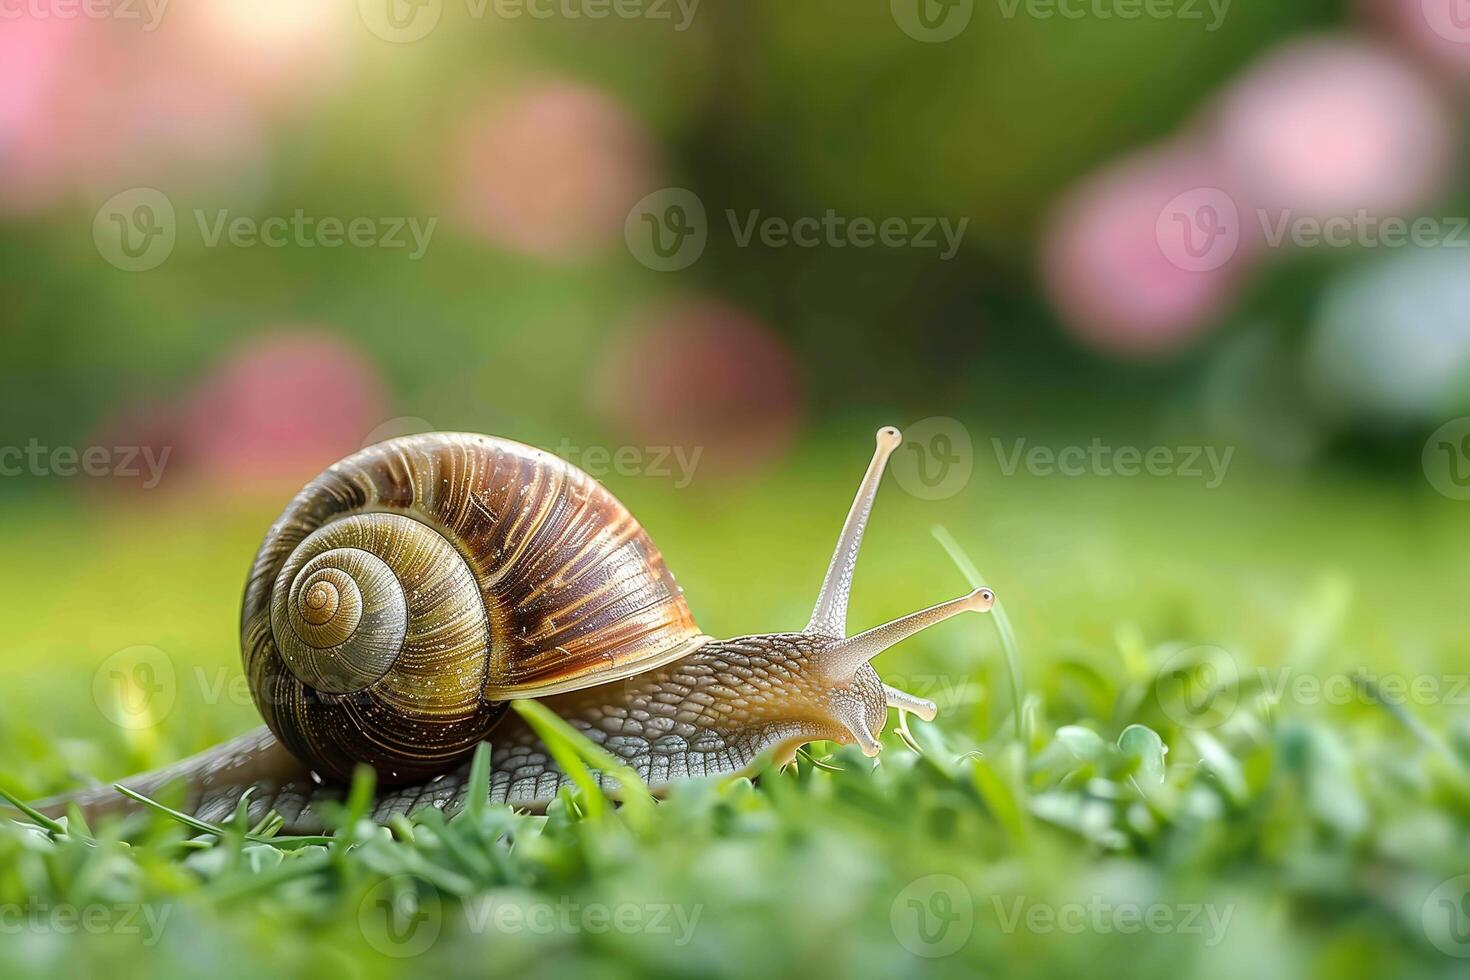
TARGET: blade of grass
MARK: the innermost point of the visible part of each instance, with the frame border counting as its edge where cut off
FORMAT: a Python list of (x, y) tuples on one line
[(204, 827), (561, 739), (477, 792), (32, 814), (193, 823), (1008, 642)]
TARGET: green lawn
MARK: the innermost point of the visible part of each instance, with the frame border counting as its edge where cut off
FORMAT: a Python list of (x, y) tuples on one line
[(1294, 826)]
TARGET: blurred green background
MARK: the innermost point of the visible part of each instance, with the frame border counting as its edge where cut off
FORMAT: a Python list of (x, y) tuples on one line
[(534, 149)]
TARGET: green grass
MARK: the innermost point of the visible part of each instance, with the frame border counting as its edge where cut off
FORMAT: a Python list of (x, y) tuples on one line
[(1168, 809)]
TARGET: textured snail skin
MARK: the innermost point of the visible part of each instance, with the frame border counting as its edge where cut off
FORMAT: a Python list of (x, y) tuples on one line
[(713, 713), (411, 588)]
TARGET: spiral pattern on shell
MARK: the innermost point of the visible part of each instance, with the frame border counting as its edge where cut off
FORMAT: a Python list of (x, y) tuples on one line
[(411, 589)]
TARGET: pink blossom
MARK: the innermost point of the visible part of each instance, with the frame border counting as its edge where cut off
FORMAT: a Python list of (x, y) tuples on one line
[(281, 408), (1331, 126), (702, 376), (1143, 257), (550, 170)]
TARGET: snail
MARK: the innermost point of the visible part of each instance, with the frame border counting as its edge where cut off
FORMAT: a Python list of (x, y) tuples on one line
[(410, 592)]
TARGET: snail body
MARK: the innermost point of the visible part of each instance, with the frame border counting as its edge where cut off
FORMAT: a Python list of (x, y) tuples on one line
[(412, 590)]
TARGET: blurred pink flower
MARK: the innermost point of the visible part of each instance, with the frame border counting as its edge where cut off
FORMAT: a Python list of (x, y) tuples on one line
[(1329, 126), (702, 375), (281, 409), (1436, 29), (550, 170), (101, 105), (33, 55), (1143, 257)]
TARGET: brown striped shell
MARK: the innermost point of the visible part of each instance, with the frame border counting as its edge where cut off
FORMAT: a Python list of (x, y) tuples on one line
[(413, 588)]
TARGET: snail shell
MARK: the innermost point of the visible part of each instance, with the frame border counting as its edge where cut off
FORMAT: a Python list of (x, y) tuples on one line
[(413, 588)]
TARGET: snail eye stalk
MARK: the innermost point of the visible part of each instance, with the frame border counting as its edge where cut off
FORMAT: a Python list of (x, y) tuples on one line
[(904, 701), (842, 659), (829, 618)]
